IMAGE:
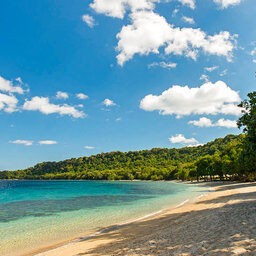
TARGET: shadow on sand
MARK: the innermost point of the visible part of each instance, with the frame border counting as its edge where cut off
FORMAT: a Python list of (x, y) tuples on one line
[(225, 230)]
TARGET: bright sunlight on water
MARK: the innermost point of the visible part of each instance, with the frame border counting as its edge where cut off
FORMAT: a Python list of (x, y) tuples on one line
[(36, 214)]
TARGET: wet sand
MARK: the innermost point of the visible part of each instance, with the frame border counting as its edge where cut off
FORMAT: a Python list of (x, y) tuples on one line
[(220, 223)]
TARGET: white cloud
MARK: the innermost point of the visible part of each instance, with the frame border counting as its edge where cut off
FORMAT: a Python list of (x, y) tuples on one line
[(89, 20), (43, 105), (118, 8), (188, 20), (195, 145), (254, 61), (7, 86), (82, 96), (226, 123), (8, 103), (206, 122), (202, 122), (163, 64), (150, 31), (62, 95), (89, 147), (47, 142), (30, 142), (108, 103), (226, 3), (253, 51), (204, 77), (182, 140), (175, 11), (224, 72), (19, 80), (23, 142), (210, 69), (209, 98), (118, 119), (189, 3)]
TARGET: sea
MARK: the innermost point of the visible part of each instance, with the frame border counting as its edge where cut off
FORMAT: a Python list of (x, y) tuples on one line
[(37, 214)]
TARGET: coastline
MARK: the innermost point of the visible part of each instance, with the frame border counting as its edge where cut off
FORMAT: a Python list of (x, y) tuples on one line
[(147, 236), (113, 225), (47, 233), (44, 251)]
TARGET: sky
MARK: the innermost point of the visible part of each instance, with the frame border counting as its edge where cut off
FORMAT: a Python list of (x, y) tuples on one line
[(92, 76)]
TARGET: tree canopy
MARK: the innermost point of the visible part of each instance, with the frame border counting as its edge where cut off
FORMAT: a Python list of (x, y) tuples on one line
[(232, 157), (154, 164), (248, 122)]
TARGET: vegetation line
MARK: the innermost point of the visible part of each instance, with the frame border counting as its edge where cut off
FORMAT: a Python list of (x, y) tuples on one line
[(232, 157)]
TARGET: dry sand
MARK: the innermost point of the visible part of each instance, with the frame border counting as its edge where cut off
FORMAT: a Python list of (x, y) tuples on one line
[(220, 223)]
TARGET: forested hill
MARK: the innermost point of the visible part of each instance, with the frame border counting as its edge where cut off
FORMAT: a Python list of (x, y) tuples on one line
[(157, 163)]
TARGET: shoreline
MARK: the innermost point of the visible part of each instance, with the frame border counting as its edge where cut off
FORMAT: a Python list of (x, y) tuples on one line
[(116, 223), (224, 217), (44, 251)]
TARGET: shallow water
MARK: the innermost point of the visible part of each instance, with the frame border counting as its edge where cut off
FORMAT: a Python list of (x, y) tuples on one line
[(36, 214)]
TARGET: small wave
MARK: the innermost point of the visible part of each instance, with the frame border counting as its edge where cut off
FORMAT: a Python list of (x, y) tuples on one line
[(181, 204), (200, 196)]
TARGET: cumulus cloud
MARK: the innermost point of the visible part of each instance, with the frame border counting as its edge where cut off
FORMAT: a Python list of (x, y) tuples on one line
[(226, 123), (89, 20), (149, 31), (82, 96), (8, 86), (210, 69), (189, 3), (188, 20), (108, 103), (47, 142), (62, 95), (202, 122), (163, 64), (118, 8), (206, 122), (179, 138), (8, 103), (209, 98), (89, 147), (226, 3), (43, 105), (23, 142)]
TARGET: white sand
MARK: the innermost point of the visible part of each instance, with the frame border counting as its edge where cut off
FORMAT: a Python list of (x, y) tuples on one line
[(221, 223)]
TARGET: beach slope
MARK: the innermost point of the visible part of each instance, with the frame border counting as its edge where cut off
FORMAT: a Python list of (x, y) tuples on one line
[(220, 223)]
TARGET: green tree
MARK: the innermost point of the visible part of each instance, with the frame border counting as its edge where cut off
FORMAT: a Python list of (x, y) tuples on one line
[(248, 122)]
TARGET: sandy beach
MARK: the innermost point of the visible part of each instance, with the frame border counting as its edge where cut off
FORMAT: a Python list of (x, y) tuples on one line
[(220, 223)]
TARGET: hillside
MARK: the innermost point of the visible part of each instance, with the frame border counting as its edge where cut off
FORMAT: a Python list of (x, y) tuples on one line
[(157, 163)]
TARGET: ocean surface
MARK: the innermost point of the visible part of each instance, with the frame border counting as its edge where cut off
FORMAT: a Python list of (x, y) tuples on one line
[(37, 214)]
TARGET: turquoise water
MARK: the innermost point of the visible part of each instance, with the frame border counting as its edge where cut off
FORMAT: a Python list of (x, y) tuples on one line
[(36, 214)]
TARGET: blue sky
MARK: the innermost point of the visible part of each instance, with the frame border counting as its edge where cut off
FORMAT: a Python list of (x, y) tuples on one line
[(94, 76)]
